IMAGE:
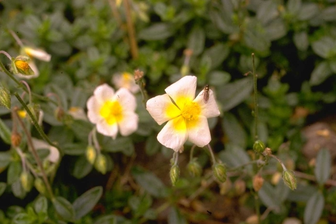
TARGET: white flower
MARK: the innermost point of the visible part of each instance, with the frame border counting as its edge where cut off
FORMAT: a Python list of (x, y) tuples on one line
[(186, 116), (113, 112), (125, 80), (53, 152), (37, 53)]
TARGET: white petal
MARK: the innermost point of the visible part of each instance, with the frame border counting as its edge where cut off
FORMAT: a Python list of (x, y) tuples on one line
[(103, 93), (209, 108), (157, 107), (200, 135), (126, 99), (93, 110), (185, 87), (129, 124), (170, 138), (37, 53), (106, 129)]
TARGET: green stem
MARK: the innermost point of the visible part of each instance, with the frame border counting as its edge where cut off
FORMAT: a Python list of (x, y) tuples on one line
[(212, 155), (255, 77), (192, 152), (257, 202), (37, 158), (35, 123)]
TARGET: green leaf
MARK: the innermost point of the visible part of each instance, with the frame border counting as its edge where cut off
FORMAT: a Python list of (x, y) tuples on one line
[(196, 40), (175, 217), (111, 219), (234, 156), (149, 182), (158, 31), (314, 208), (218, 78), (281, 191), (232, 94), (64, 208), (276, 29), (18, 190), (81, 129), (5, 133), (320, 73), (24, 218), (85, 203), (152, 145), (329, 14), (308, 11), (5, 159), (234, 130), (217, 53), (293, 6), (41, 205), (323, 166), (267, 11), (324, 47), (82, 167), (301, 40), (2, 187), (74, 149), (302, 193), (121, 144), (14, 171), (268, 196), (140, 205), (332, 65)]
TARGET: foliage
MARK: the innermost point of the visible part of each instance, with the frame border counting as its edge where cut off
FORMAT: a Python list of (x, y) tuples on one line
[(91, 42)]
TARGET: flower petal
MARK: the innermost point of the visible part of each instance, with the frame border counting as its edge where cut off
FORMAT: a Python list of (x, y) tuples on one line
[(93, 110), (126, 99), (37, 53), (200, 135), (103, 93), (185, 87), (106, 129), (129, 123), (162, 109), (171, 138), (209, 108)]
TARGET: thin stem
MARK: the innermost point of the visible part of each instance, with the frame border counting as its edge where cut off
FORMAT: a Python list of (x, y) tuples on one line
[(176, 158), (192, 152), (16, 38), (37, 158), (130, 30), (7, 55), (29, 91), (57, 97), (95, 140), (283, 166), (212, 155), (257, 203), (35, 122), (255, 77)]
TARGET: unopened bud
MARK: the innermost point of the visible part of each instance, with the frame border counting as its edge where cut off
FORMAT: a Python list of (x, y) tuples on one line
[(20, 66), (219, 171), (258, 146), (240, 186), (225, 187), (5, 99), (15, 139), (91, 154), (268, 152), (194, 168), (40, 187), (258, 182), (59, 113), (174, 174), (138, 74), (26, 181), (289, 179), (101, 163)]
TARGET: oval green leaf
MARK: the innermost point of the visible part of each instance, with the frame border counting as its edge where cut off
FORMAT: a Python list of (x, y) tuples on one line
[(320, 73), (323, 166), (85, 203), (63, 208), (5, 133), (314, 208)]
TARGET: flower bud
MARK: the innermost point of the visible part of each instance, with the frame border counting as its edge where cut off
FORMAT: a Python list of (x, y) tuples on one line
[(268, 152), (219, 171), (258, 146), (194, 168), (26, 181), (91, 154), (240, 186), (289, 179), (101, 163), (40, 187), (258, 182), (5, 99), (59, 113), (15, 139), (174, 174), (20, 66)]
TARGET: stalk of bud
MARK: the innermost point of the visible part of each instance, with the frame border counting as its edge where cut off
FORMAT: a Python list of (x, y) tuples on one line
[(289, 179), (258, 182), (219, 171), (174, 174)]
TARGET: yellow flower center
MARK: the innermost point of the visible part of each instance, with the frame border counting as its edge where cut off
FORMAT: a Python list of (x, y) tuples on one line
[(111, 111), (22, 65), (190, 111)]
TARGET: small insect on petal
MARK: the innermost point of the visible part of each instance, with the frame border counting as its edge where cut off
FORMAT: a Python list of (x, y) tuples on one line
[(206, 93)]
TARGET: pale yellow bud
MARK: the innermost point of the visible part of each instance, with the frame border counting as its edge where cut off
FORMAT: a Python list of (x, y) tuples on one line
[(91, 154), (258, 182)]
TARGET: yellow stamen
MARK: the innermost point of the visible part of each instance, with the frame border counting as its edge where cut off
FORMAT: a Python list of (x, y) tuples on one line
[(22, 113), (111, 111), (22, 65)]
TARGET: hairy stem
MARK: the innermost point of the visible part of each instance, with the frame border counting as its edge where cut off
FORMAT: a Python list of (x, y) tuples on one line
[(130, 30)]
